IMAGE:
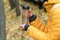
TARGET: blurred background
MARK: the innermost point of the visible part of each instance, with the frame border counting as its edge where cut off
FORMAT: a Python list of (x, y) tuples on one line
[(13, 18)]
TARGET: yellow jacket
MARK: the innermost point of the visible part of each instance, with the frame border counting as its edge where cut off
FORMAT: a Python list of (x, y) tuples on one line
[(50, 31)]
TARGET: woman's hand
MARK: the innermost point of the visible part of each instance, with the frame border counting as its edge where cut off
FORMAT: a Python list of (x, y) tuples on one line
[(22, 27), (29, 12)]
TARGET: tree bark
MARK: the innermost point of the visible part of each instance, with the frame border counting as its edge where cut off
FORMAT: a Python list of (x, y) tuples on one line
[(2, 21)]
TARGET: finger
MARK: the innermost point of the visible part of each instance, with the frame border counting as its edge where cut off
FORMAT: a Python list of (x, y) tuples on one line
[(22, 25), (21, 28), (30, 11)]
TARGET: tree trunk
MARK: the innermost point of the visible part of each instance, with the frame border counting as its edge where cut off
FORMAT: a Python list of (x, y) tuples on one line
[(2, 22)]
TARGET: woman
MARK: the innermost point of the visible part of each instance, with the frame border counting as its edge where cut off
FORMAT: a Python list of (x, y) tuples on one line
[(50, 31)]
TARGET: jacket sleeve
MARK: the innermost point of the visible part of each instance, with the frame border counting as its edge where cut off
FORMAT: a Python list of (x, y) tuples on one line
[(35, 21), (37, 34), (53, 27)]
